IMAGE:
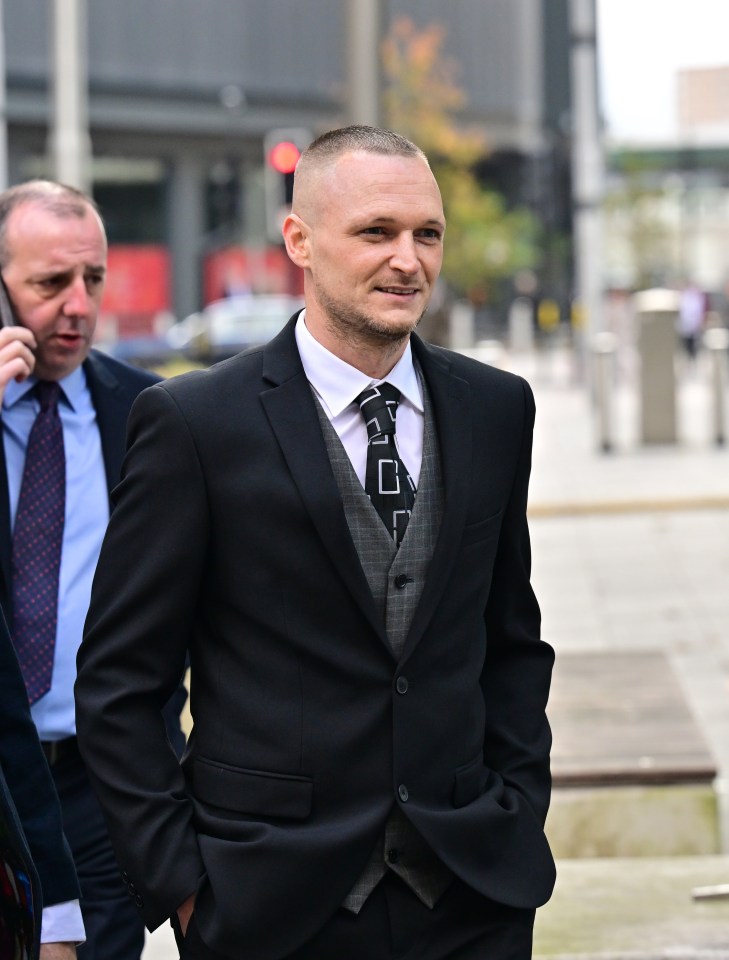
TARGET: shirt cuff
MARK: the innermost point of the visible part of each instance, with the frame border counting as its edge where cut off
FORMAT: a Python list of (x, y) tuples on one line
[(63, 923)]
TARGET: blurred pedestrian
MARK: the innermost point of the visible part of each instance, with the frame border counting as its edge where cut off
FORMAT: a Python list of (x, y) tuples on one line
[(64, 412), (691, 316), (368, 772)]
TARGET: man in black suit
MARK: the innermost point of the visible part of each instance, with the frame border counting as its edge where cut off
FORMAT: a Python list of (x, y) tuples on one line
[(53, 260), (368, 773), (34, 855)]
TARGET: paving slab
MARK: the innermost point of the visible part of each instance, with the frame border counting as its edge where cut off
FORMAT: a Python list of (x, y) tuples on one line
[(633, 774), (621, 718), (635, 909)]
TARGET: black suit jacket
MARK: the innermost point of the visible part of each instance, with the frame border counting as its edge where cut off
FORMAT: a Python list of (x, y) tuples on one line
[(31, 836), (229, 539)]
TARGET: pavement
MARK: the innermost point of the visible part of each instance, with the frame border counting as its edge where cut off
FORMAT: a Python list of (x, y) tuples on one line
[(631, 548), (630, 553)]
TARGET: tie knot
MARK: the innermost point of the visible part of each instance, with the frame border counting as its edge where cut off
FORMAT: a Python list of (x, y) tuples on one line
[(48, 393), (379, 408)]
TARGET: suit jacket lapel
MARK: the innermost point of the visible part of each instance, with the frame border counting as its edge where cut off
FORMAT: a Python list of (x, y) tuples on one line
[(450, 397), (289, 406), (112, 410)]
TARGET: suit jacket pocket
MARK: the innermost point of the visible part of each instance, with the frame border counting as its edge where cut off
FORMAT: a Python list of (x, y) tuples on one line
[(246, 793), (474, 779), (483, 529)]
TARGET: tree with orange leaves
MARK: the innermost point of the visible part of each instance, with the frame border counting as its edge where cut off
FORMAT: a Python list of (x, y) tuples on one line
[(486, 242)]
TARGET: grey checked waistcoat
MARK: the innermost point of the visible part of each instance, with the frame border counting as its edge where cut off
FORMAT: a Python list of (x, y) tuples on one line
[(401, 848)]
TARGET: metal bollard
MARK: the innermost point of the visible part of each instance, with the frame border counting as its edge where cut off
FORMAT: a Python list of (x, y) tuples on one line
[(603, 349), (716, 341)]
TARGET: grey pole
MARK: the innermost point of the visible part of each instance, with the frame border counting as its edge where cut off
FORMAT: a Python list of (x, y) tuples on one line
[(364, 33), (716, 340), (587, 195), (186, 224), (587, 164), (70, 144), (603, 373)]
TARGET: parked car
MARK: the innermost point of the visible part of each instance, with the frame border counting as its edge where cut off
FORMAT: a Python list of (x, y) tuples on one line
[(225, 327)]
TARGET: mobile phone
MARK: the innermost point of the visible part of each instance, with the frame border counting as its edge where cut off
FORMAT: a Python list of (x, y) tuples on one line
[(7, 317)]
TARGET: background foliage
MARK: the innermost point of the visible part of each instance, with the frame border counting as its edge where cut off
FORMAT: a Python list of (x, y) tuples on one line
[(485, 242)]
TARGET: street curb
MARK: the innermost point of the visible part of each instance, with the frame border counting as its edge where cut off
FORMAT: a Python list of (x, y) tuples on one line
[(542, 511), (672, 953)]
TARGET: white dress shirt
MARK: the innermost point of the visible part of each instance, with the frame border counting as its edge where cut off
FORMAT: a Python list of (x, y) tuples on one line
[(337, 384)]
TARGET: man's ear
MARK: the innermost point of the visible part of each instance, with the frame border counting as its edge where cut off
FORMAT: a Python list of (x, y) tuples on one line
[(296, 237)]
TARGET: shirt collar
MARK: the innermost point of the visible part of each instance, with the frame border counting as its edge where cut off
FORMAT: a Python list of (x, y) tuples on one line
[(338, 383), (72, 387)]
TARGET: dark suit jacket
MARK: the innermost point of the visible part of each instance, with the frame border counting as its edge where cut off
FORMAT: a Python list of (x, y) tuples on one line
[(229, 539), (31, 836)]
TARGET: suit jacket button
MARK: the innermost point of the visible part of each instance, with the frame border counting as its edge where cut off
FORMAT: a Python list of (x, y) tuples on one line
[(402, 792), (402, 580), (402, 685)]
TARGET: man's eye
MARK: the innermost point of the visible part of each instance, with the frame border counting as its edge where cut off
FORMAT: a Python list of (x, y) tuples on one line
[(94, 279), (374, 231), (429, 234), (51, 283)]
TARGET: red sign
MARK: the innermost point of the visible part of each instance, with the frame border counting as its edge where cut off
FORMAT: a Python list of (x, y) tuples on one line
[(137, 288), (233, 270)]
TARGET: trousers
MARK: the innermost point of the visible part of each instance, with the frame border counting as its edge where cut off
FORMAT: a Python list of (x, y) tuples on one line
[(114, 927), (395, 925)]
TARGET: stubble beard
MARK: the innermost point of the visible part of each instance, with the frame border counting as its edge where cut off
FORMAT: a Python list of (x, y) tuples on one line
[(357, 328)]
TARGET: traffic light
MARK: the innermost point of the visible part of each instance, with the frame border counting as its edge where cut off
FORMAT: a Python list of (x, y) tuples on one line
[(281, 150)]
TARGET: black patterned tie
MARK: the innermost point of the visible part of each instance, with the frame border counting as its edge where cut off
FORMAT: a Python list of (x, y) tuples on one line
[(387, 482), (37, 539)]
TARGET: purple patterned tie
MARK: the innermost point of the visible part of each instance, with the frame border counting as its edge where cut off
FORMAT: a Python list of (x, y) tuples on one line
[(37, 539), (387, 482)]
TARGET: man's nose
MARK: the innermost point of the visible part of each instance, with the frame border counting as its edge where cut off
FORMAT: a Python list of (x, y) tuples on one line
[(77, 300), (404, 256)]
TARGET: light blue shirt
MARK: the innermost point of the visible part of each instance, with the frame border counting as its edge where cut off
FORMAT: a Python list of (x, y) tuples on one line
[(87, 515)]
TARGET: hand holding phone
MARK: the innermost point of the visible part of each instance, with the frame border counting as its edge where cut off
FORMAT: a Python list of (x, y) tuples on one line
[(16, 344), (7, 316)]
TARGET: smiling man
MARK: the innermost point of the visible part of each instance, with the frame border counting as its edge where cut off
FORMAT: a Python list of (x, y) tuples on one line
[(64, 412), (333, 526)]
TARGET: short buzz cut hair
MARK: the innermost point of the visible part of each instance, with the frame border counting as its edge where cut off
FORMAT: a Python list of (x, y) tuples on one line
[(58, 198), (334, 143)]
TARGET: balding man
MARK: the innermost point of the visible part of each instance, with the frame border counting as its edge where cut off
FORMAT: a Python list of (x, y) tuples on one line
[(64, 412), (334, 526)]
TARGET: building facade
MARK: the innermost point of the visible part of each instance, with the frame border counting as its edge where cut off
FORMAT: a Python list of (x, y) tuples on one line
[(182, 95)]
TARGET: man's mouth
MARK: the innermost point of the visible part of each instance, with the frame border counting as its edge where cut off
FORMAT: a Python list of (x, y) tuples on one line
[(70, 337), (398, 291)]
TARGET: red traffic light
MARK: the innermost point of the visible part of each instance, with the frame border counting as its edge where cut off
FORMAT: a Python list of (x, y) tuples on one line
[(284, 156)]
